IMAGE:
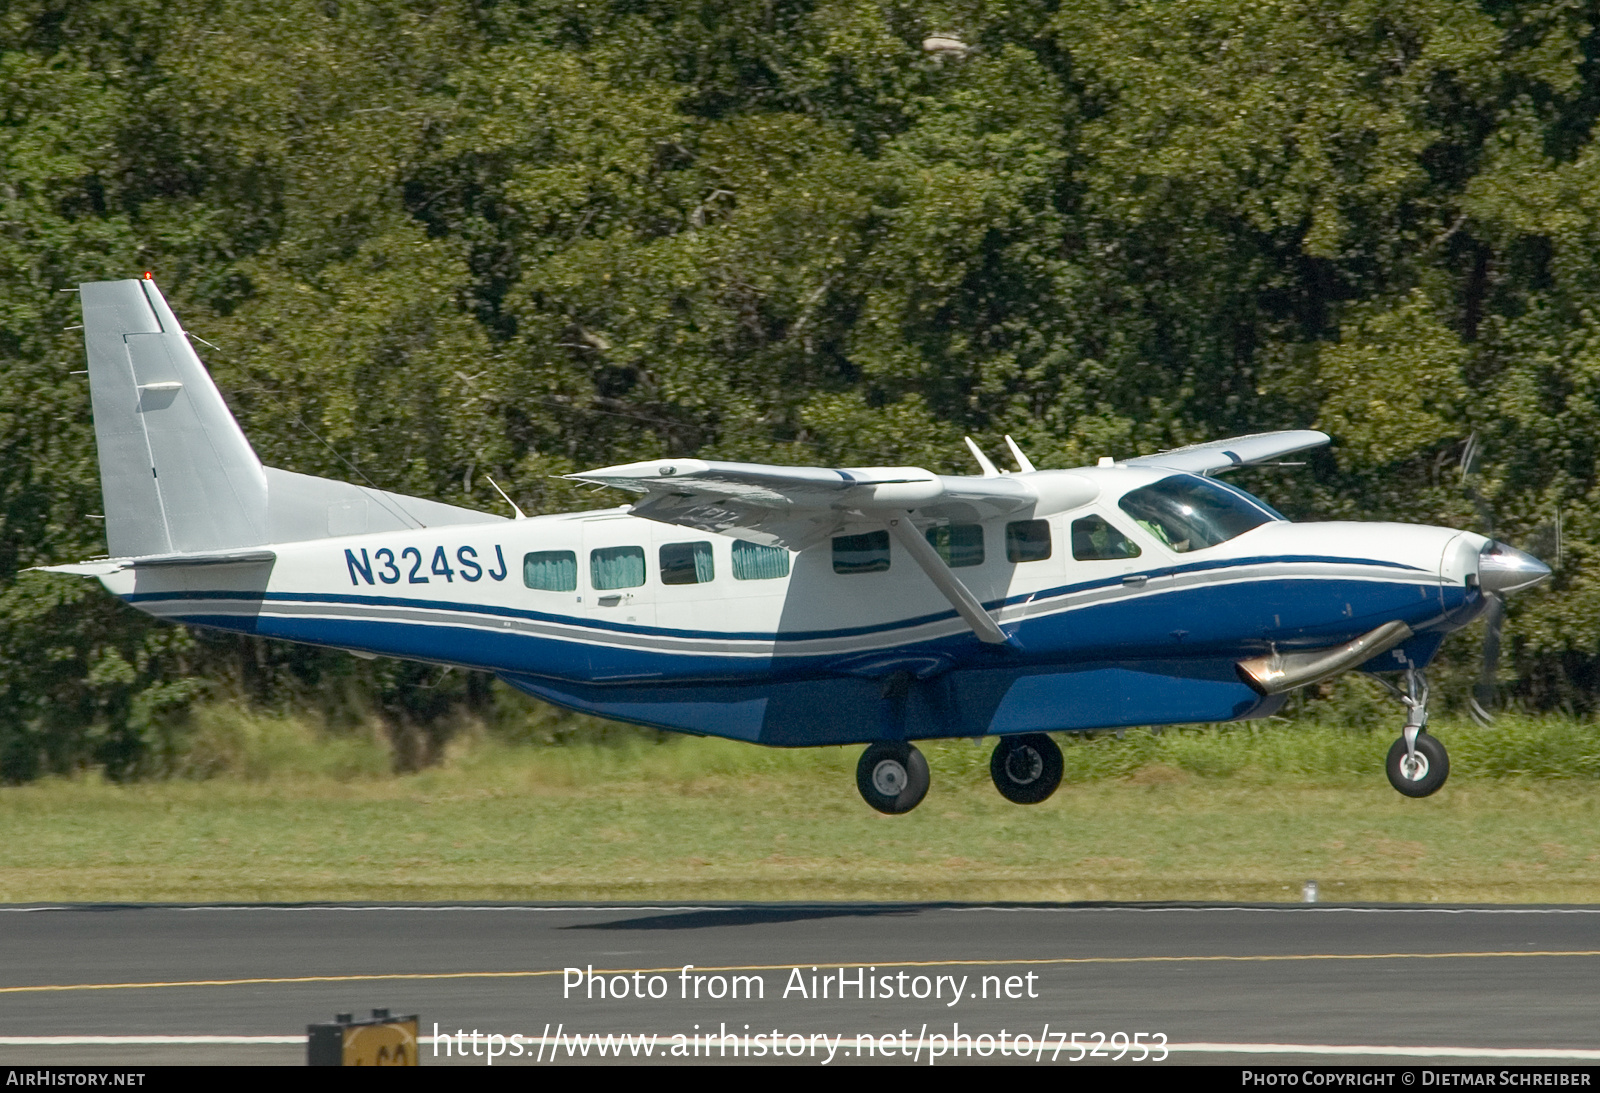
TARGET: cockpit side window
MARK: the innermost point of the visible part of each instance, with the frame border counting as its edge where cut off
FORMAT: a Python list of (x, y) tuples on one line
[(1187, 512), (1094, 540)]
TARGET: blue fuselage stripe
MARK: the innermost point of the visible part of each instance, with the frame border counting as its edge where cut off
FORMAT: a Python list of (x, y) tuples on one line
[(497, 611)]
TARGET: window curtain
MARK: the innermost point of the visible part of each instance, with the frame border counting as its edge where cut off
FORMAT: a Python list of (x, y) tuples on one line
[(616, 567), (754, 562), (686, 563), (551, 570), (703, 568)]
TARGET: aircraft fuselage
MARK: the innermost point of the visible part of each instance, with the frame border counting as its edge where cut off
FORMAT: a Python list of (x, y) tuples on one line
[(664, 625)]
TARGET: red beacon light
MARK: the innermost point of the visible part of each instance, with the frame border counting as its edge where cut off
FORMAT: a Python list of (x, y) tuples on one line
[(148, 276)]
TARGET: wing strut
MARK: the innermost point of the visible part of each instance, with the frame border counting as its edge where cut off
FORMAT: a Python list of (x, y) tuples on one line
[(965, 603)]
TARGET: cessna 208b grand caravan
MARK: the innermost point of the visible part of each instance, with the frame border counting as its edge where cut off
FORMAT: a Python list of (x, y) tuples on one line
[(792, 606)]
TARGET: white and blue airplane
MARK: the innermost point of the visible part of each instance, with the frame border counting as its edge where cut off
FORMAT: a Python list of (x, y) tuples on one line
[(792, 606)]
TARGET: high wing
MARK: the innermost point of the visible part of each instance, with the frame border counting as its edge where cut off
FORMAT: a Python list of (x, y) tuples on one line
[(1219, 456), (795, 507)]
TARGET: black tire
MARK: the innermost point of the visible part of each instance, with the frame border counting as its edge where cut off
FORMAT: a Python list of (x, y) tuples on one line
[(1433, 760), (893, 778), (1026, 769)]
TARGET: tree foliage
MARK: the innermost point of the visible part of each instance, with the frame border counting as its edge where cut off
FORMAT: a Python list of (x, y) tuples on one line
[(438, 240)]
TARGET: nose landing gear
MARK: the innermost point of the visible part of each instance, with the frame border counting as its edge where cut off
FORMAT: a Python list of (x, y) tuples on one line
[(1417, 764)]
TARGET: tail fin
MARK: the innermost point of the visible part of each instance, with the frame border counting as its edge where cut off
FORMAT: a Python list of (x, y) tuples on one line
[(176, 472)]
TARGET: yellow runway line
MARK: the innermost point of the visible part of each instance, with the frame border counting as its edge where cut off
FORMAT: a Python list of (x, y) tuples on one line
[(1034, 962)]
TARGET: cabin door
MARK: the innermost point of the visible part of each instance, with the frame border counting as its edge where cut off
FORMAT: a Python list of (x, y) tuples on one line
[(617, 572)]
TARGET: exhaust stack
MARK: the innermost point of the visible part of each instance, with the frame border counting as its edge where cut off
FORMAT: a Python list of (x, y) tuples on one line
[(1277, 673)]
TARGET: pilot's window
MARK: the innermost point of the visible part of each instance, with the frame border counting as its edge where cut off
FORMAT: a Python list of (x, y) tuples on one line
[(1094, 540), (1186, 512), (958, 544), (754, 562), (616, 567), (867, 553), (551, 570), (1028, 541), (686, 563)]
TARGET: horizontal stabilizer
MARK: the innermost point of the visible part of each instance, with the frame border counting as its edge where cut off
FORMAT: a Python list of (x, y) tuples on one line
[(1240, 451), (104, 567)]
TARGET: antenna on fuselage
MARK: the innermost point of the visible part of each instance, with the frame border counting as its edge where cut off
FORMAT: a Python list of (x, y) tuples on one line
[(1024, 464), (520, 514), (987, 467)]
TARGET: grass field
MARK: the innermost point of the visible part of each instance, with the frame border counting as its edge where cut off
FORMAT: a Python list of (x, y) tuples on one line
[(1245, 813)]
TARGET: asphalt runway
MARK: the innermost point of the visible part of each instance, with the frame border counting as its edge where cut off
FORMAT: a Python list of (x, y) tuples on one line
[(1222, 984)]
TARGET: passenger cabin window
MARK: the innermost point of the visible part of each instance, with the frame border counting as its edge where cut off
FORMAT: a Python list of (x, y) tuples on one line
[(616, 567), (686, 563), (754, 562), (1187, 512), (958, 544), (1028, 541), (867, 553), (1094, 540), (551, 570)]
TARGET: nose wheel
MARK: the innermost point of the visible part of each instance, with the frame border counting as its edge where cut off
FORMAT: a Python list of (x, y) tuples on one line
[(892, 777), (1419, 770), (1026, 769), (1417, 764)]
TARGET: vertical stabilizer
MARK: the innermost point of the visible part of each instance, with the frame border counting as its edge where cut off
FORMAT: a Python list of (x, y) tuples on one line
[(176, 472)]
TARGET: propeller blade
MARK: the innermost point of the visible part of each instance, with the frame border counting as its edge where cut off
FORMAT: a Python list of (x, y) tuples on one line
[(1469, 457), (1483, 693)]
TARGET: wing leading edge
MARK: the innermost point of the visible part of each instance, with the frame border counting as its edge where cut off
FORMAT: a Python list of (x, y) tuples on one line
[(795, 507), (1217, 456)]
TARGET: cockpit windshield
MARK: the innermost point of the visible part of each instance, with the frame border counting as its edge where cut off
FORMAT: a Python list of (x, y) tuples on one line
[(1187, 512)]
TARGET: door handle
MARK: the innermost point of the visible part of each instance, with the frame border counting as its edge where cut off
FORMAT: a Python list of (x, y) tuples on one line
[(1136, 580), (610, 601)]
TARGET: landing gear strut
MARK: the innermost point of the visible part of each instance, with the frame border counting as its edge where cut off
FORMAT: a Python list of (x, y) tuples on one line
[(1026, 769), (1418, 764), (892, 777)]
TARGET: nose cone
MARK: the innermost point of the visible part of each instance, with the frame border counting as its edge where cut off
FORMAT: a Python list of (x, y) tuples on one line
[(1504, 569)]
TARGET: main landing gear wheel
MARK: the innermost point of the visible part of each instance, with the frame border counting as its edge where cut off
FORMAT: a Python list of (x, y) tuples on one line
[(1026, 769), (892, 778), (1421, 772)]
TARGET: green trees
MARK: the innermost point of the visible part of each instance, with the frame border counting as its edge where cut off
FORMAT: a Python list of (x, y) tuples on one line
[(457, 239)]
